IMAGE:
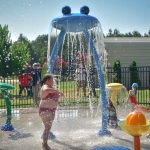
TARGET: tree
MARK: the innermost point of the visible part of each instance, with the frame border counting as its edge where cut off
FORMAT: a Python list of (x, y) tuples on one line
[(110, 33), (116, 33), (13, 56), (149, 33), (39, 48), (134, 75), (129, 34), (145, 35), (136, 34), (5, 43), (117, 72), (20, 53)]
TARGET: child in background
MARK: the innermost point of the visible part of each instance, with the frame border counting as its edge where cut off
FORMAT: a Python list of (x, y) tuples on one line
[(24, 81), (48, 105), (132, 96)]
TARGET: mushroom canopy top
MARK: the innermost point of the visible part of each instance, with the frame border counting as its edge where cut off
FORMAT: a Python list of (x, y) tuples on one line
[(74, 22)]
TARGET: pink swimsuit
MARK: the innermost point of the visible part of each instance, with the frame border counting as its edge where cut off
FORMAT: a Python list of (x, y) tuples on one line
[(52, 96), (47, 110), (133, 99)]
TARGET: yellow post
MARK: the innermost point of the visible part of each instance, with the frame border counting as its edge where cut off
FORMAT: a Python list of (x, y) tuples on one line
[(114, 96), (114, 87)]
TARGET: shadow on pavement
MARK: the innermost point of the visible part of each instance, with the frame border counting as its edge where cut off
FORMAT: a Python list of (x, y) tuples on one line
[(67, 145), (17, 135)]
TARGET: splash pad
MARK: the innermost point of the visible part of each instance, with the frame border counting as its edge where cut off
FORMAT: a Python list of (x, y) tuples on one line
[(82, 26), (74, 129), (81, 135)]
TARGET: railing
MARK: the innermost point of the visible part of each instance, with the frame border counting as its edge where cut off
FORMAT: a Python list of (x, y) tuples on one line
[(66, 84)]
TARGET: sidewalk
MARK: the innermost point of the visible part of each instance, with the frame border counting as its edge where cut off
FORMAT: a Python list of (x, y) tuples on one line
[(74, 130)]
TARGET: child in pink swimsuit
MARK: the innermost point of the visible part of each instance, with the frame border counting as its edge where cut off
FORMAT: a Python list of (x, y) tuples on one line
[(52, 96), (48, 105)]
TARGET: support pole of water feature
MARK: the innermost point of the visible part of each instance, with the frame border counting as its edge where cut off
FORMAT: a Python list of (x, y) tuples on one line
[(52, 61), (103, 130), (4, 87), (115, 87), (55, 51), (136, 143)]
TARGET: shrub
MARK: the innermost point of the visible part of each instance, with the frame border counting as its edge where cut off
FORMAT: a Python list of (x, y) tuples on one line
[(134, 74), (117, 72)]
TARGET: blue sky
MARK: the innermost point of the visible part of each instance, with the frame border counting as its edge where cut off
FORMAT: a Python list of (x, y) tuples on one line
[(33, 17)]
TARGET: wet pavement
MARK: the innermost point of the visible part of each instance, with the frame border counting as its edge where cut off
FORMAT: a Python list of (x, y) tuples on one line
[(74, 130)]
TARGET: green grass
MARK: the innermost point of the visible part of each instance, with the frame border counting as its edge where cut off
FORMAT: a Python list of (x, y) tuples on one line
[(143, 95)]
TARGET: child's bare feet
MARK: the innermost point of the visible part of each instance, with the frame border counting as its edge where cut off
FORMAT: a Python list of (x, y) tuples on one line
[(45, 147), (48, 148)]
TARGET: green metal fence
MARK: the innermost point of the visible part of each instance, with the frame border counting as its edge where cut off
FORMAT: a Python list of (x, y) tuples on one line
[(68, 86), (64, 83)]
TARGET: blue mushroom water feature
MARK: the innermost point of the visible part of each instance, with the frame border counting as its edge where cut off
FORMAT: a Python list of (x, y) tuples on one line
[(88, 26)]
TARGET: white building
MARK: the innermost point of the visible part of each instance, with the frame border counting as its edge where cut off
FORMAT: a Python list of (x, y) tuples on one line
[(127, 50)]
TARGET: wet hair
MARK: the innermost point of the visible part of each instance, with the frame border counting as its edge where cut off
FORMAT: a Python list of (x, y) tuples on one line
[(135, 86), (45, 78)]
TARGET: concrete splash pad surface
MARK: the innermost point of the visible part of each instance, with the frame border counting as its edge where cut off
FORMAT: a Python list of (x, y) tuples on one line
[(74, 130)]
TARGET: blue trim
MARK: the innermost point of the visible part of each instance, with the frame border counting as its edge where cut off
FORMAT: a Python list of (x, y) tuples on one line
[(74, 22), (104, 130), (55, 51)]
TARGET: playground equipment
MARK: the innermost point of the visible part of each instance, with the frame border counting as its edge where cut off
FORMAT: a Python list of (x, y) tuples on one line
[(115, 87), (86, 25), (4, 88), (135, 125)]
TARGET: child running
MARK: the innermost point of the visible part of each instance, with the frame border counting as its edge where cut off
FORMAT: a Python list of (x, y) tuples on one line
[(48, 105), (132, 96)]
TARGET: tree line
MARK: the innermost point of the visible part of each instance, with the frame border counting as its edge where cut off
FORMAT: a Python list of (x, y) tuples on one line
[(117, 33)]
